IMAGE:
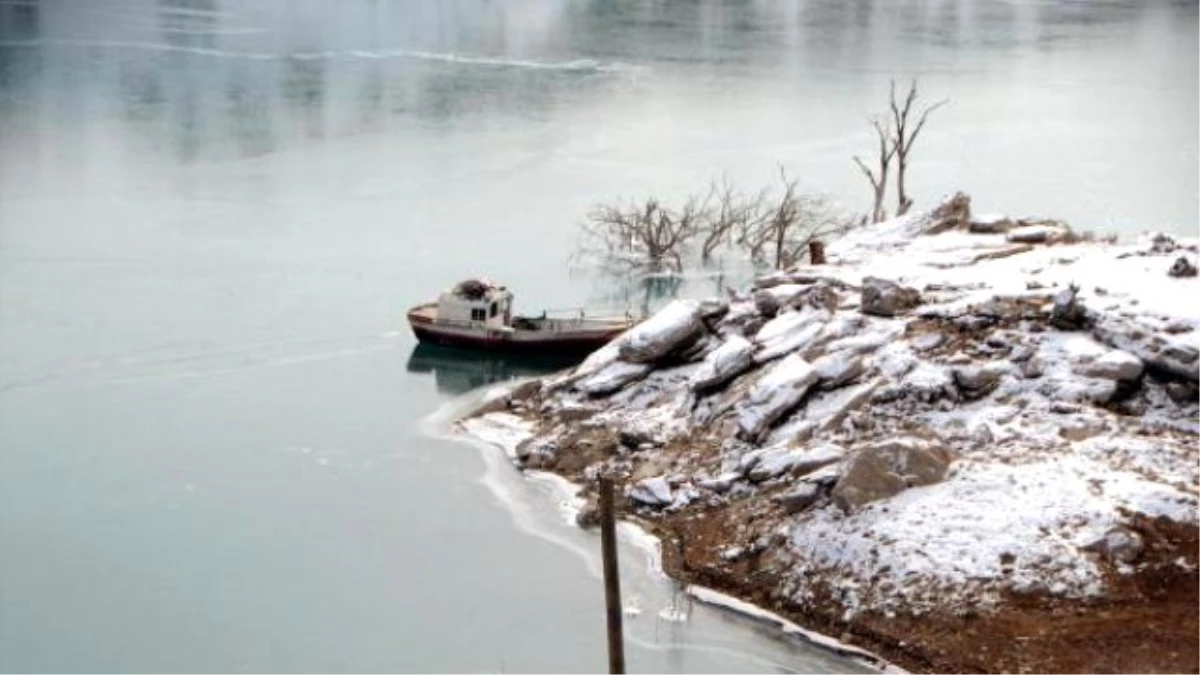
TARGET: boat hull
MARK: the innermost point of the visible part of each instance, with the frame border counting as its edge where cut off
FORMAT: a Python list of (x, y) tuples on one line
[(498, 341), (580, 338)]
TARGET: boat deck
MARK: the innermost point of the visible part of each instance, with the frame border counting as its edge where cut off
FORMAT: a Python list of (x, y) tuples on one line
[(543, 334), (428, 314)]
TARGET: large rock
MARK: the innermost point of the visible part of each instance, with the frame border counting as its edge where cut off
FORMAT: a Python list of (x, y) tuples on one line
[(1182, 267), (887, 298), (1162, 244), (1069, 313), (768, 301), (676, 326), (929, 382), (952, 214), (1072, 388), (990, 223), (975, 382), (767, 463), (837, 369), (1182, 393), (830, 410), (789, 332), (724, 363), (612, 377), (774, 395), (1039, 232), (817, 457), (654, 492), (798, 498), (1114, 365), (822, 296), (1167, 355), (1119, 545), (712, 309), (887, 468)]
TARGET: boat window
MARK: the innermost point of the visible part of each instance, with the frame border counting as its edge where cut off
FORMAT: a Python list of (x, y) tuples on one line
[(494, 309), (478, 314)]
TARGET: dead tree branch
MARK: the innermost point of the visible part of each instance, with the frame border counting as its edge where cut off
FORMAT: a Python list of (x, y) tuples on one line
[(887, 150), (780, 230), (905, 136), (640, 235)]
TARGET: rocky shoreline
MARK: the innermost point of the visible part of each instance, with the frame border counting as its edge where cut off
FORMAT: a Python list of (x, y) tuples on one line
[(967, 443)]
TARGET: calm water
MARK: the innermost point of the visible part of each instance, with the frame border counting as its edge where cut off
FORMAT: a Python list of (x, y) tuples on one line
[(213, 214)]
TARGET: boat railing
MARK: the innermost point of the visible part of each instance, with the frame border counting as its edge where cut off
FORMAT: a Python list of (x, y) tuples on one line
[(583, 314), (554, 320)]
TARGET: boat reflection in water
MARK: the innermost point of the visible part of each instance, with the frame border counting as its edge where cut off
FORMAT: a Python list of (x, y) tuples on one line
[(457, 371)]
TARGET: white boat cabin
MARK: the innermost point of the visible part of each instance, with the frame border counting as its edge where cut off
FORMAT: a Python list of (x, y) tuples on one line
[(476, 302)]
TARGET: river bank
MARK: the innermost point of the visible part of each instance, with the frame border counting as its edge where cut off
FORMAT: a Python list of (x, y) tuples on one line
[(966, 444)]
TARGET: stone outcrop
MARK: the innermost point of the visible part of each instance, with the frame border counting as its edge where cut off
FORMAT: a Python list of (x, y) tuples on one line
[(1114, 365), (724, 363), (1048, 232), (798, 498), (1069, 312), (977, 381), (1119, 545), (1182, 267), (676, 327), (775, 394), (1168, 356), (991, 223), (882, 297), (882, 470), (952, 214), (653, 492)]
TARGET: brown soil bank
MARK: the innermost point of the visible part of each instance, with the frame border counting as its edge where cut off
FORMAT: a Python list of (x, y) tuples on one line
[(1148, 622)]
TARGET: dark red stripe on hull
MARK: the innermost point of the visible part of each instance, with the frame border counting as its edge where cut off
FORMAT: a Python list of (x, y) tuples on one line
[(582, 345)]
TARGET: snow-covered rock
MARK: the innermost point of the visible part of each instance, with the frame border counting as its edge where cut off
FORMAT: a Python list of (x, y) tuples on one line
[(953, 213), (724, 363), (1182, 267), (882, 297), (769, 301), (977, 381), (884, 469), (837, 369), (1114, 365), (800, 497), (1166, 353), (990, 223), (612, 377), (775, 393), (675, 326), (653, 492), (766, 463), (1039, 234), (789, 332), (1119, 544)]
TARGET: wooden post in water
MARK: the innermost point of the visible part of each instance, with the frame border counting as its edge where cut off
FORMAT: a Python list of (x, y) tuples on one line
[(612, 579)]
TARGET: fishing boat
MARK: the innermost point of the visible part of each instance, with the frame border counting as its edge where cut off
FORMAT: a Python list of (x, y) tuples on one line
[(477, 314)]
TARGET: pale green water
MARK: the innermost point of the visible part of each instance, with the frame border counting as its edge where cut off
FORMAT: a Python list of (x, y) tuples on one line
[(213, 214)]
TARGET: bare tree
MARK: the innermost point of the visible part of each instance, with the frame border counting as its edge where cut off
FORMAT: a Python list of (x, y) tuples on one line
[(887, 150), (782, 227), (726, 218), (646, 235), (905, 135)]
